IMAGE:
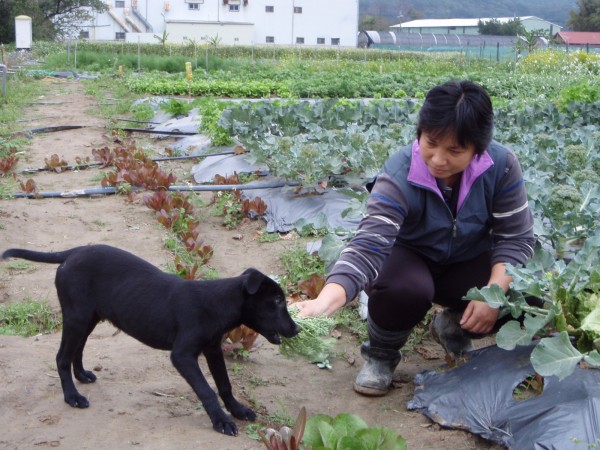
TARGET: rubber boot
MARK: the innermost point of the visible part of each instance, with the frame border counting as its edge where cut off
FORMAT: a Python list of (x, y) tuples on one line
[(382, 355)]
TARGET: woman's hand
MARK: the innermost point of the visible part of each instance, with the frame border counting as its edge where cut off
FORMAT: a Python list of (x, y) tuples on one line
[(479, 317), (331, 298)]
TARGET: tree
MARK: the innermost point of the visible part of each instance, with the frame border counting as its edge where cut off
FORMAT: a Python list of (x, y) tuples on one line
[(372, 23), (587, 18), (50, 19), (513, 27)]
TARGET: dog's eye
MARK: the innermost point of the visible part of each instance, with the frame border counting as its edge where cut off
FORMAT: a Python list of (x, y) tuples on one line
[(279, 301)]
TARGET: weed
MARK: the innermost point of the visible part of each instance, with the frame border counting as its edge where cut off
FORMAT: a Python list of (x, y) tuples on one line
[(8, 186), (142, 111), (252, 431), (20, 266), (121, 98), (229, 206), (280, 418), (268, 237), (300, 265), (27, 319), (349, 319), (532, 386)]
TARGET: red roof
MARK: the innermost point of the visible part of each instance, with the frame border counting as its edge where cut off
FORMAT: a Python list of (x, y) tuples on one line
[(579, 37)]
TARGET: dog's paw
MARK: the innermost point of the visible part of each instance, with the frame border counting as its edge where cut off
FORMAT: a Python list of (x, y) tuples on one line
[(225, 426), (241, 412), (85, 376), (77, 401)]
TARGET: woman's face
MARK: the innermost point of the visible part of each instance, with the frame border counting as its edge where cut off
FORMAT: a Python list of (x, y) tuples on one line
[(443, 156)]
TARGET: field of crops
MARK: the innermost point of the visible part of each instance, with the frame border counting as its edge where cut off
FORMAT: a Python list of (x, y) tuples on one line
[(330, 119)]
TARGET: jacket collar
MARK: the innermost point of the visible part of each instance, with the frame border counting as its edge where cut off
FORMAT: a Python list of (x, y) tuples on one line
[(419, 173)]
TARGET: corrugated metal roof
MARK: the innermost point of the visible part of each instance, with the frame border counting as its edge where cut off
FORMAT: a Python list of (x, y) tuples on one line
[(580, 37), (432, 23)]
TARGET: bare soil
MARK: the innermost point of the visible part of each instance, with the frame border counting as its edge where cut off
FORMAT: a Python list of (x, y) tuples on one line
[(139, 400)]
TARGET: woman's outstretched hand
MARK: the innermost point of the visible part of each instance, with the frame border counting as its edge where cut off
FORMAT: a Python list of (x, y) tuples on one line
[(331, 298)]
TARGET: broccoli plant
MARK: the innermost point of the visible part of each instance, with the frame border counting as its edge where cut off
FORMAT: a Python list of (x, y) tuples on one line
[(570, 318)]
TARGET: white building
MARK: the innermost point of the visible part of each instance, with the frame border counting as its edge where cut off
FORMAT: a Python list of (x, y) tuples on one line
[(471, 26), (231, 22)]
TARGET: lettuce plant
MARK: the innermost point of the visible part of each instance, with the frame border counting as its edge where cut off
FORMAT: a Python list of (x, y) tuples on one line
[(349, 432)]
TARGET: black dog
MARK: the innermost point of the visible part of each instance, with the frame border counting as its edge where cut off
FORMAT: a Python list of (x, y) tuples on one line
[(99, 282)]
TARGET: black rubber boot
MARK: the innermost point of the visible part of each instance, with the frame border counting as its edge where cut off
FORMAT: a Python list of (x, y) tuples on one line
[(382, 355)]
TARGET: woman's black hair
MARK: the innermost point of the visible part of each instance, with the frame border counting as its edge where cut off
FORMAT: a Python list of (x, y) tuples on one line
[(462, 108)]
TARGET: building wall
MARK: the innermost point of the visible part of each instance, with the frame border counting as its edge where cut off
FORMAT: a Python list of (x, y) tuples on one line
[(330, 22), (201, 32), (539, 24)]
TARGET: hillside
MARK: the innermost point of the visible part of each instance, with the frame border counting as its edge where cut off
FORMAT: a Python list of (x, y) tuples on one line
[(556, 11)]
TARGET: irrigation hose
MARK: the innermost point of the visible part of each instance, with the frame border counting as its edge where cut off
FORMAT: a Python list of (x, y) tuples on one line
[(75, 127), (109, 190), (166, 158)]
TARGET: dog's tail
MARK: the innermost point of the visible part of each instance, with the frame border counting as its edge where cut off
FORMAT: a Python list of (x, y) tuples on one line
[(30, 255)]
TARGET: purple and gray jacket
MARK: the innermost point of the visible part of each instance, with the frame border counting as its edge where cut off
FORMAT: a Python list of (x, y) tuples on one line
[(407, 208)]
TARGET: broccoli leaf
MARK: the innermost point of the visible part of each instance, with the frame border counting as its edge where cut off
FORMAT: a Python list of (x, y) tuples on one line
[(555, 356)]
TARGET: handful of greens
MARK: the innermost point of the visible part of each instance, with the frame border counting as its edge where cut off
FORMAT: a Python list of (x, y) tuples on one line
[(313, 342)]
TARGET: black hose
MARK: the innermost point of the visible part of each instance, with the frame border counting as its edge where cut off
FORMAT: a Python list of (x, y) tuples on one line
[(109, 190), (166, 158)]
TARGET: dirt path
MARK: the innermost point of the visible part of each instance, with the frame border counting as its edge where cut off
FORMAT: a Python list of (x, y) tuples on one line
[(139, 400)]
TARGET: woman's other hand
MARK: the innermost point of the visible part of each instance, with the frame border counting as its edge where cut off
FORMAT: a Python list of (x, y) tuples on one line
[(479, 317)]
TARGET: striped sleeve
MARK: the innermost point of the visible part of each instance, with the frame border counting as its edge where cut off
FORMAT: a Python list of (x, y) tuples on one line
[(360, 261), (512, 219)]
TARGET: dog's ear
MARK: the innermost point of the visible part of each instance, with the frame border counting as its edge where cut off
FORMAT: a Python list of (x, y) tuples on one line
[(254, 279)]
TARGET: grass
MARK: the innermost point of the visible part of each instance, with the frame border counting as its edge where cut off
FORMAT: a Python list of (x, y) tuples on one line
[(300, 265), (8, 186), (348, 318), (266, 237), (28, 318), (20, 266), (20, 92), (114, 99)]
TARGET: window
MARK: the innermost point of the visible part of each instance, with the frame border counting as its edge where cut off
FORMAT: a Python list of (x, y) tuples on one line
[(269, 9), (320, 40), (120, 35), (335, 41), (194, 6), (270, 39), (234, 8), (119, 3), (84, 34), (299, 40), (297, 9)]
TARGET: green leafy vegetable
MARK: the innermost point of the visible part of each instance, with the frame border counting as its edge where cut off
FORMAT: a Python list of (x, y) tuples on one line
[(313, 342), (349, 432)]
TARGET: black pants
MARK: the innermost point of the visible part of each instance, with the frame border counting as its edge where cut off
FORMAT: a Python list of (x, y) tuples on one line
[(409, 284)]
